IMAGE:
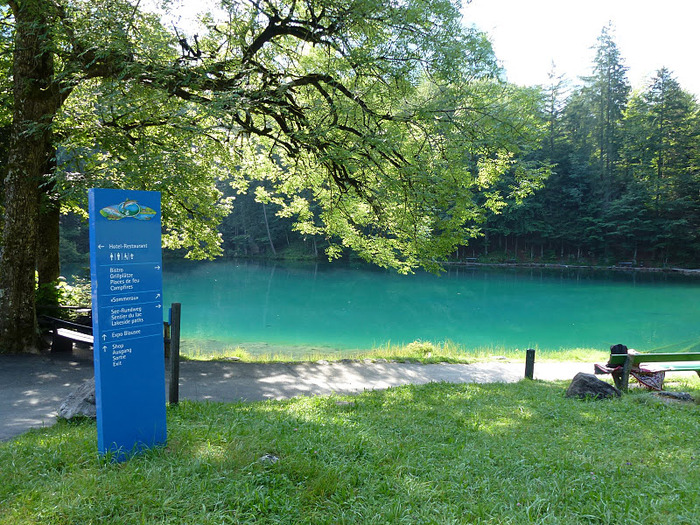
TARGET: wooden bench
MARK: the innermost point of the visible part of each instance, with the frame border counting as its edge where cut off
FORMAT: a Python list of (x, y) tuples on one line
[(65, 333), (662, 362), (626, 264)]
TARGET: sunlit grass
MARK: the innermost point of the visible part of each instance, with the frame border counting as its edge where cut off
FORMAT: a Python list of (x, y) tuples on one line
[(417, 351), (437, 453)]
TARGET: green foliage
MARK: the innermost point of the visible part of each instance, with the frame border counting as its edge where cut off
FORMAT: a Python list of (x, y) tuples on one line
[(114, 139), (625, 175), (61, 293), (437, 453), (78, 293), (402, 213), (375, 126), (47, 294), (401, 161), (367, 151), (74, 240)]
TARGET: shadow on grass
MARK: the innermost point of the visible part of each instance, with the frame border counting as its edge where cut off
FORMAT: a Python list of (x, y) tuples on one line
[(436, 453)]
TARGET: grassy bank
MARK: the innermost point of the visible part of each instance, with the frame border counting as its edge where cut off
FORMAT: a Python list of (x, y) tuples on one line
[(438, 453), (418, 351)]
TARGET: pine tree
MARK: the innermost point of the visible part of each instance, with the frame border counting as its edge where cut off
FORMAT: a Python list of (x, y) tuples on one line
[(605, 93), (661, 154)]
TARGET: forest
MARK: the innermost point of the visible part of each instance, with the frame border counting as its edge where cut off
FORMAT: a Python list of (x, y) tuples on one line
[(624, 183), (317, 128)]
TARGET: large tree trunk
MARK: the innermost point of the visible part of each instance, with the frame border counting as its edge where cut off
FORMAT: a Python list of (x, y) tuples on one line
[(48, 265), (36, 100), (48, 261), (18, 331)]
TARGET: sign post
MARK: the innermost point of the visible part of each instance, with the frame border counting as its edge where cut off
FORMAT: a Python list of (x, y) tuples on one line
[(127, 320)]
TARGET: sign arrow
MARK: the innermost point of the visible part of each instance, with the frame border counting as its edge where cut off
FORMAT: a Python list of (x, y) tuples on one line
[(157, 296), (158, 306), (126, 226)]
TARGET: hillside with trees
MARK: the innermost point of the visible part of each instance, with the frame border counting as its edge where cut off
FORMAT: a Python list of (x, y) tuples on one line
[(624, 183)]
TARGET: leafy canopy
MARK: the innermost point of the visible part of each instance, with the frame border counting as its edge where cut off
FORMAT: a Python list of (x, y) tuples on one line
[(379, 125)]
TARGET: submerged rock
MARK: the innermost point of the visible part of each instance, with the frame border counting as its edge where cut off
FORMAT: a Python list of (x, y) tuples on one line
[(589, 386)]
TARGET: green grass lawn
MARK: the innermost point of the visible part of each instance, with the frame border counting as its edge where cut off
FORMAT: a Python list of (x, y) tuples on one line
[(438, 453), (418, 351)]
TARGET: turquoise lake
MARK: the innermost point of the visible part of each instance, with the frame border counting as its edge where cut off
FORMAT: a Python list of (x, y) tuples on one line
[(300, 308)]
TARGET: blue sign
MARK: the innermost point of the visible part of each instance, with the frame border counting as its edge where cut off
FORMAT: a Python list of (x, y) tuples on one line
[(127, 320)]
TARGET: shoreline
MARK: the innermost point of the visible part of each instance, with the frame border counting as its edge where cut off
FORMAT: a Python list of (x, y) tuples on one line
[(559, 266), (475, 264)]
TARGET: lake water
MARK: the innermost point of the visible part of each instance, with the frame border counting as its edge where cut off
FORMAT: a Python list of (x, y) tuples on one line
[(303, 307)]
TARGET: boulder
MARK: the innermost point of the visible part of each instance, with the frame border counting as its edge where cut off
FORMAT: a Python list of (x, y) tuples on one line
[(586, 386), (80, 402)]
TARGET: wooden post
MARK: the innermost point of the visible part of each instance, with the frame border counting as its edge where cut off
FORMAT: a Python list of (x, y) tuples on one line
[(174, 391), (166, 338), (529, 363)]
